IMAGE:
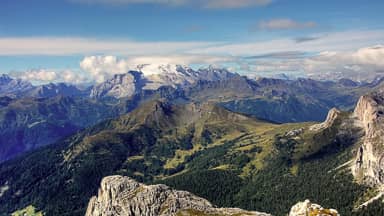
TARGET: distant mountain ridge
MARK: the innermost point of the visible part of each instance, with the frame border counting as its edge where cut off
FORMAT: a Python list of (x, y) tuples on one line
[(271, 99), (299, 100), (30, 123), (175, 76), (13, 87), (18, 88), (52, 90)]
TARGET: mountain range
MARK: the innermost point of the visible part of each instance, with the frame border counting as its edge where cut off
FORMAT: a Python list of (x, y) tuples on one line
[(57, 108), (254, 144)]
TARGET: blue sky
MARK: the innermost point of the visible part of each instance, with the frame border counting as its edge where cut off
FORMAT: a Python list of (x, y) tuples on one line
[(58, 35)]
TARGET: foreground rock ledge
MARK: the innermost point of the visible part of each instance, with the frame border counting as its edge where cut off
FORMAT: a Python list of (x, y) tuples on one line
[(123, 196), (307, 208)]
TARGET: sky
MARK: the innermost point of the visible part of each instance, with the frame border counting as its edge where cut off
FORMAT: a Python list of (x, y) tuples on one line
[(90, 40)]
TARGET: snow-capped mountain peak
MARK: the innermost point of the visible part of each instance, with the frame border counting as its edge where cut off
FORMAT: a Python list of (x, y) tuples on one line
[(154, 76), (4, 78), (13, 87), (155, 69)]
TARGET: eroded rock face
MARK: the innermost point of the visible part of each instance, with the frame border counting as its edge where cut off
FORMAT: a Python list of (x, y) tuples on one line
[(369, 163), (307, 208), (13, 87), (331, 117), (153, 77), (120, 195), (121, 85)]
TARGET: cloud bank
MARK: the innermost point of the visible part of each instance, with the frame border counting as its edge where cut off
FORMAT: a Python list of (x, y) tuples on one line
[(336, 41), (62, 46), (58, 46), (51, 75), (335, 55), (362, 64)]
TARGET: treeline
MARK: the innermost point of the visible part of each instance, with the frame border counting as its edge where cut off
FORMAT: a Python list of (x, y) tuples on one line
[(218, 186), (275, 189)]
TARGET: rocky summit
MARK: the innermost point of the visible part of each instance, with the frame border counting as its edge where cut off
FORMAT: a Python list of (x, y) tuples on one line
[(307, 208), (369, 163), (120, 195)]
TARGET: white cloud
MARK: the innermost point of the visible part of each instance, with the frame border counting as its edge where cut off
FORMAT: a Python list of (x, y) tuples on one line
[(278, 24), (102, 67), (337, 41), (87, 46), (69, 76), (178, 59), (362, 64), (59, 46), (39, 75), (207, 4), (50, 75)]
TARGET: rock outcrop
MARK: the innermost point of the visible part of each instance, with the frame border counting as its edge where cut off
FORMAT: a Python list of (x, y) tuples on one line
[(120, 195), (307, 208), (369, 163), (332, 116)]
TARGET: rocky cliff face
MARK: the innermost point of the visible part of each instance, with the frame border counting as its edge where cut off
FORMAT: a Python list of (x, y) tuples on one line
[(121, 85), (333, 114), (307, 208), (120, 195), (153, 77), (369, 164)]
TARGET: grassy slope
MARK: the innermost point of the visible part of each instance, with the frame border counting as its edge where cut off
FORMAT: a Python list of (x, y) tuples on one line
[(302, 167), (27, 211)]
